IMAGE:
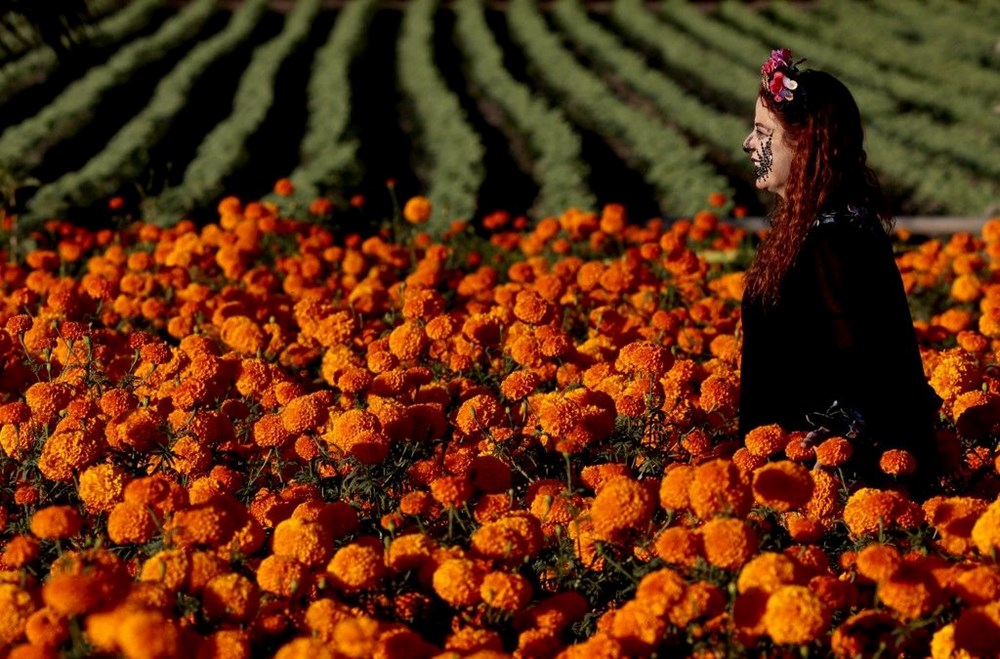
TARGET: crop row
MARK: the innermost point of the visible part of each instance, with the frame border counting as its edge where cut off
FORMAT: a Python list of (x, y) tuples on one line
[(715, 60), (559, 169), (328, 151), (126, 156), (224, 149), (38, 63), (676, 169), (23, 146), (450, 149)]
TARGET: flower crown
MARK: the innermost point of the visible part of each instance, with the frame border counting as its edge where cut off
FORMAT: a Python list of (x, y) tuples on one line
[(776, 75)]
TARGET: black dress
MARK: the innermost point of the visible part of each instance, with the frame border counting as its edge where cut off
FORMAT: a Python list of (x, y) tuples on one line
[(840, 332)]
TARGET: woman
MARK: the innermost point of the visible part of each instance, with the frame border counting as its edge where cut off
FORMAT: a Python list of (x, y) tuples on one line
[(828, 340)]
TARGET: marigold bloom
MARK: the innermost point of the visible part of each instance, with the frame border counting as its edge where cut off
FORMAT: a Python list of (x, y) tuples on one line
[(417, 210), (458, 581), (660, 590), (451, 491), (638, 628), (878, 562), (783, 485), (66, 454), (986, 531), (622, 505), (505, 591), (208, 524), (897, 462), (474, 641), (409, 551), (511, 539), (728, 543), (357, 566), (304, 414), (674, 487), (519, 384), (956, 372), (55, 522), (911, 591), (868, 510), (478, 414), (794, 615), (310, 543), (766, 440), (282, 576), (84, 580), (834, 452), (231, 597), (170, 567), (131, 523), (679, 546), (769, 571), (718, 487), (17, 605)]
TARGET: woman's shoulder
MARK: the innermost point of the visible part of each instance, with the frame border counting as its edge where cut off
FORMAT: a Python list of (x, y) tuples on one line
[(848, 217)]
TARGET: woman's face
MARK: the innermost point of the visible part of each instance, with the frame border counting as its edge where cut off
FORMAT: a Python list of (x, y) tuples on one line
[(770, 154)]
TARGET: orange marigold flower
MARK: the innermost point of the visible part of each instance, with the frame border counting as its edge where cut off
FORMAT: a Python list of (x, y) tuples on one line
[(979, 585), (519, 384), (953, 519), (911, 591), (674, 487), (46, 628), (284, 187), (208, 524), (878, 562), (19, 551), (511, 539), (769, 571), (795, 615), (474, 641), (231, 597), (986, 531), (282, 576), (417, 210), (864, 632), (451, 491), (83, 581), (783, 485), (102, 486), (679, 546), (869, 510), (766, 440), (956, 372), (728, 543), (357, 566), (637, 626), (307, 542), (17, 605), (409, 551), (797, 449), (56, 522), (242, 334), (408, 341), (622, 505), (479, 413), (170, 567), (644, 357), (660, 590), (897, 462), (458, 581), (834, 452), (131, 523), (304, 414), (505, 591), (746, 461), (718, 488)]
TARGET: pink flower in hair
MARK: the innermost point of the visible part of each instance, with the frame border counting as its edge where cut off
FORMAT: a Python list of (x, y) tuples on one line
[(774, 74)]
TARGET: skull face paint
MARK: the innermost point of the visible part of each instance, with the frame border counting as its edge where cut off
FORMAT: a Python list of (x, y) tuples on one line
[(770, 155), (762, 167)]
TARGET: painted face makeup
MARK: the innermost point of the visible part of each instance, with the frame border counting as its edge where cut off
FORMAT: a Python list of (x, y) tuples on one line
[(762, 167), (770, 155)]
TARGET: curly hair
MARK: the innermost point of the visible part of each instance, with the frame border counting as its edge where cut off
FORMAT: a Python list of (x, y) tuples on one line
[(828, 170)]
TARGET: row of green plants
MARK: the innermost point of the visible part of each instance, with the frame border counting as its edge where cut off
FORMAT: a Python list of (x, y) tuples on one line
[(927, 65), (37, 64), (722, 60), (126, 156), (559, 169), (861, 28), (451, 151), (329, 152), (19, 38), (965, 29), (224, 149), (720, 130), (677, 170), (23, 147), (859, 68)]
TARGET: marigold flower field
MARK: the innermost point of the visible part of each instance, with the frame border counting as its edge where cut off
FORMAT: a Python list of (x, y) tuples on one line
[(260, 437)]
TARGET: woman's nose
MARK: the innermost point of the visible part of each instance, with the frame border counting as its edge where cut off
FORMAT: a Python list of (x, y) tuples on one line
[(746, 144)]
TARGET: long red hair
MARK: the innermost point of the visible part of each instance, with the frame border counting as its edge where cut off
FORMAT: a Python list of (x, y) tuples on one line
[(829, 170)]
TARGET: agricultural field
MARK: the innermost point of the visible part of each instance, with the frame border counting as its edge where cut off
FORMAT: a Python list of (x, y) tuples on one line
[(413, 331), (485, 107)]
